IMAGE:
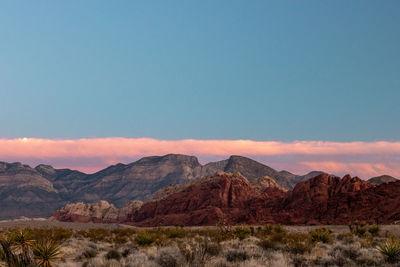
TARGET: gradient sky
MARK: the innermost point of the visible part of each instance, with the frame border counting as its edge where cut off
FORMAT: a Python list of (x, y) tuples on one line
[(206, 70)]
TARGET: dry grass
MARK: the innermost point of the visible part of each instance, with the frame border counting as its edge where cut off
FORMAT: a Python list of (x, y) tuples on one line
[(224, 245)]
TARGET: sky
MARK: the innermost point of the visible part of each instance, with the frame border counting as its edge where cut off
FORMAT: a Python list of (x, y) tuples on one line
[(152, 76)]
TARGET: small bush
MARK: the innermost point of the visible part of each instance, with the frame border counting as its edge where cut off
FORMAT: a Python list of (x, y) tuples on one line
[(390, 249), (242, 232), (211, 248), (143, 238), (170, 257), (176, 233), (236, 255), (89, 253), (348, 252), (279, 229), (267, 230), (128, 251), (374, 229), (113, 255), (297, 243), (360, 231), (321, 235), (346, 238), (267, 244)]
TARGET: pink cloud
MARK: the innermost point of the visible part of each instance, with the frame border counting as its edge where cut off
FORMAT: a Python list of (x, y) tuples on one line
[(383, 157)]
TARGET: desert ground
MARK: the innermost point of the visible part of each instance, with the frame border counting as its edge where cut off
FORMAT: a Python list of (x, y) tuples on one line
[(82, 244)]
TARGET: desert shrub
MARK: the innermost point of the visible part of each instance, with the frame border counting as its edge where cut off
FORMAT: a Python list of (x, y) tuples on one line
[(368, 242), (299, 261), (242, 232), (96, 235), (321, 235), (348, 252), (346, 238), (297, 243), (268, 244), (390, 249), (358, 228), (169, 257), (374, 229), (143, 238), (224, 232), (113, 255), (267, 230), (87, 254), (279, 228), (128, 251), (234, 255), (176, 233), (360, 231)]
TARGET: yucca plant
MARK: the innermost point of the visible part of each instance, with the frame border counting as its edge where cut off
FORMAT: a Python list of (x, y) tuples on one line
[(46, 253), (21, 240), (390, 249), (11, 259)]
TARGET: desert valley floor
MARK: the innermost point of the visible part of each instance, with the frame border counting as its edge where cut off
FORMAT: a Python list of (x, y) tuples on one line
[(89, 244)]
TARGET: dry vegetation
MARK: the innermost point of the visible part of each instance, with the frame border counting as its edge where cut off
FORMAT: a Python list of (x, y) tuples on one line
[(223, 245)]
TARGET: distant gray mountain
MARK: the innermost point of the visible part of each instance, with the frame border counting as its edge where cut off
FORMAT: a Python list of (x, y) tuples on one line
[(382, 179), (36, 192)]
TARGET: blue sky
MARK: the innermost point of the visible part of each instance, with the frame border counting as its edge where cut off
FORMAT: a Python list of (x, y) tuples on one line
[(259, 70)]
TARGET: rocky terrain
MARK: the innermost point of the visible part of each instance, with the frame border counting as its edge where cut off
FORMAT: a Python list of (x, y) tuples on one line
[(382, 179), (37, 192), (231, 198)]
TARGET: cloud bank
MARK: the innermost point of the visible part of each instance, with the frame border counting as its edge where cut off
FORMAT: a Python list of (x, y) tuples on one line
[(365, 159)]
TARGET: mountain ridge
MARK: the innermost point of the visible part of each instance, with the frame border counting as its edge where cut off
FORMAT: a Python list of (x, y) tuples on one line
[(36, 192)]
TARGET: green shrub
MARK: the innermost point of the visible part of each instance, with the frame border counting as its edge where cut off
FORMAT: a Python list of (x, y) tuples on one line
[(267, 230), (321, 235), (390, 249), (279, 229), (374, 229), (242, 232), (176, 233), (143, 238)]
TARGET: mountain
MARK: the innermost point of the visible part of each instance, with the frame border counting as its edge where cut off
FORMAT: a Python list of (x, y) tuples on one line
[(382, 179), (228, 197), (36, 192)]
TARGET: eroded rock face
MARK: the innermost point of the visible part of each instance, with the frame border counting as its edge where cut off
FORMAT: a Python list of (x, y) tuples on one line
[(265, 183), (100, 212), (324, 199)]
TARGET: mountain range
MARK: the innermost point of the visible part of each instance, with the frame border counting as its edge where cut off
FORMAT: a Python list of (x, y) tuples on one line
[(37, 192)]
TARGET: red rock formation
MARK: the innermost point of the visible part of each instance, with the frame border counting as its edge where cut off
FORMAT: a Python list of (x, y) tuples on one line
[(324, 199)]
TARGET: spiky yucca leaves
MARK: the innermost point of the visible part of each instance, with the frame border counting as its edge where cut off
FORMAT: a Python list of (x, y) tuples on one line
[(21, 240), (46, 253), (390, 249), (7, 255)]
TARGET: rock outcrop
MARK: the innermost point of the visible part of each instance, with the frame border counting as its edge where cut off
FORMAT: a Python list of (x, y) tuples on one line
[(100, 212), (382, 179), (324, 199)]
